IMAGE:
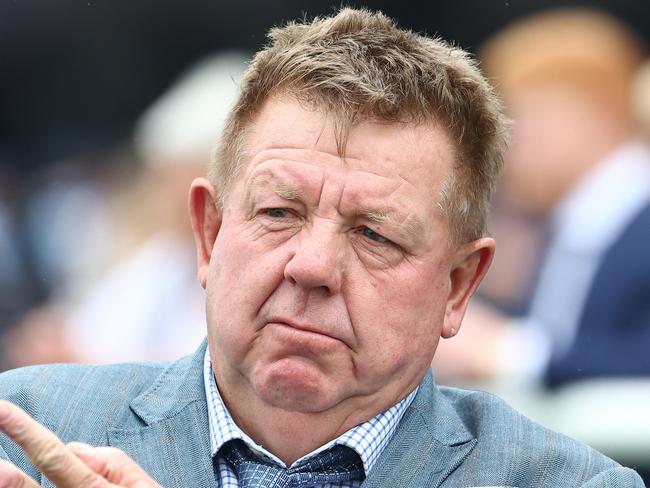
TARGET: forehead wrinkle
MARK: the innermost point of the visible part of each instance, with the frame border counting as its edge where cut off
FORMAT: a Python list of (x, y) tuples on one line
[(257, 182), (279, 184), (282, 189)]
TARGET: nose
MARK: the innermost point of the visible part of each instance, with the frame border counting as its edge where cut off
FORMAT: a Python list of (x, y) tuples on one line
[(316, 262)]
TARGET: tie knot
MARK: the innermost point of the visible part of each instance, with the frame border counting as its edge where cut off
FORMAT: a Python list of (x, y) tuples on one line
[(337, 465)]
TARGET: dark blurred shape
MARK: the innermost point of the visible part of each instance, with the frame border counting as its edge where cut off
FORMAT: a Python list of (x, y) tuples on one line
[(17, 292), (74, 75)]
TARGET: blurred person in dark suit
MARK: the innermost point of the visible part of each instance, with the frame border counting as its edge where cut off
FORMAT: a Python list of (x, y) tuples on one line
[(575, 159)]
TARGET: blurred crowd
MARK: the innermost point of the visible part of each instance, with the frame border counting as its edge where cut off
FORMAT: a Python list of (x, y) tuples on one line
[(98, 259), (98, 265)]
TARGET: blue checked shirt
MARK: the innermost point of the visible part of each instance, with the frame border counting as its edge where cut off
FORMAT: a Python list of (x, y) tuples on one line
[(368, 439)]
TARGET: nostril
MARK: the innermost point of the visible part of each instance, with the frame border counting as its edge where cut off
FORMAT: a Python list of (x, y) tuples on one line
[(289, 278)]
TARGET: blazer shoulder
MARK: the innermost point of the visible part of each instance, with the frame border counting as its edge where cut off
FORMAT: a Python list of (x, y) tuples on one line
[(77, 402), (512, 449), (616, 478), (52, 393)]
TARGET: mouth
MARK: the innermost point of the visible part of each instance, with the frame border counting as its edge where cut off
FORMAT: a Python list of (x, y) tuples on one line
[(303, 329)]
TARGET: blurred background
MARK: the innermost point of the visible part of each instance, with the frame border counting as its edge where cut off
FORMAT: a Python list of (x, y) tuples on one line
[(109, 109)]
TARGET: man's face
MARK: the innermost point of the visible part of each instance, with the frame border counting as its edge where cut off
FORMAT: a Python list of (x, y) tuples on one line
[(330, 281)]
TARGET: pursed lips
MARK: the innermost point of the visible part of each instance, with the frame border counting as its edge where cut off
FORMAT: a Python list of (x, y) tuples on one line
[(305, 328)]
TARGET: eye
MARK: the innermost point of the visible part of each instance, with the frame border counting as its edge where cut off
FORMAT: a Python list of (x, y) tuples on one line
[(277, 213), (373, 236)]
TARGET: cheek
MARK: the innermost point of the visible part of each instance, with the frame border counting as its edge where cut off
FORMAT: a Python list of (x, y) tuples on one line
[(243, 274), (399, 318)]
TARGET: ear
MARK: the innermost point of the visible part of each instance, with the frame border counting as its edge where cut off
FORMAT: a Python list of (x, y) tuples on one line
[(469, 265), (205, 213)]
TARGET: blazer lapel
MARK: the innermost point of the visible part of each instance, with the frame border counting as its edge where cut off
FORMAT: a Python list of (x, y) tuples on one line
[(174, 443), (430, 443)]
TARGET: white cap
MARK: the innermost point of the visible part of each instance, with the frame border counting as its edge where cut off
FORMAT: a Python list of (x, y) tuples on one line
[(189, 118)]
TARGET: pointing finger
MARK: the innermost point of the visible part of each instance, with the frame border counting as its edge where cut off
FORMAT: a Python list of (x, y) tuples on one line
[(45, 450)]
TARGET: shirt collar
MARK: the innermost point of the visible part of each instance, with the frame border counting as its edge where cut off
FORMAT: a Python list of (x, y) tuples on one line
[(368, 439)]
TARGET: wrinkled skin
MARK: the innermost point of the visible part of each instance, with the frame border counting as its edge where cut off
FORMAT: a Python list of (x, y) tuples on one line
[(329, 282)]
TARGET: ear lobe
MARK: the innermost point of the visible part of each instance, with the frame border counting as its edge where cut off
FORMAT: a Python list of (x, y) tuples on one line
[(470, 263), (206, 216)]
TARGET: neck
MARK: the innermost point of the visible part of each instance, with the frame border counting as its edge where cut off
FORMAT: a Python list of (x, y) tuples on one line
[(291, 435)]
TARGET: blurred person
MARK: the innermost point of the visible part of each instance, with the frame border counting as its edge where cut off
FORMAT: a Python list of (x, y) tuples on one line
[(576, 159), (15, 293), (510, 284), (57, 236), (68, 225), (339, 237), (120, 236), (11, 277), (134, 309)]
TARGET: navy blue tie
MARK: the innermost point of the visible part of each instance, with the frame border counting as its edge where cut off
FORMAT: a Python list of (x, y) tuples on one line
[(340, 464)]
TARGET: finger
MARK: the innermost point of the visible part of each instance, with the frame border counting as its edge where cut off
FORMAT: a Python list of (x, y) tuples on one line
[(12, 477), (113, 464), (45, 450)]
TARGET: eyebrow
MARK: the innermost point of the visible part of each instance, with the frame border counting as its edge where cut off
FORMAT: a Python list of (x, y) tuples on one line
[(378, 216), (412, 226), (281, 188)]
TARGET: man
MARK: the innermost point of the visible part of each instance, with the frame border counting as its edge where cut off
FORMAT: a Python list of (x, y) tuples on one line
[(577, 161), (340, 236)]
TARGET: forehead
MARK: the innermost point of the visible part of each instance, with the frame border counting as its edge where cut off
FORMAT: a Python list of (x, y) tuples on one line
[(416, 158), (283, 121)]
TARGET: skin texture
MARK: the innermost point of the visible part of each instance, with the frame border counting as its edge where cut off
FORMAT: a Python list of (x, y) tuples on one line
[(329, 282)]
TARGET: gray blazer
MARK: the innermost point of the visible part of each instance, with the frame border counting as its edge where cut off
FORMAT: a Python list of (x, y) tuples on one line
[(157, 413)]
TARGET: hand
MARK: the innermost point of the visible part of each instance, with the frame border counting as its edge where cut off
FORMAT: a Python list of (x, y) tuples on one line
[(72, 466)]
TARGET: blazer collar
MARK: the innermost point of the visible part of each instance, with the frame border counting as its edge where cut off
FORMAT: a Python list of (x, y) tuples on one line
[(173, 445), (174, 442), (177, 386), (430, 443)]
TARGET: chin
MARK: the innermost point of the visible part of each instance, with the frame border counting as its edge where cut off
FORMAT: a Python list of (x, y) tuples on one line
[(296, 385)]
